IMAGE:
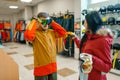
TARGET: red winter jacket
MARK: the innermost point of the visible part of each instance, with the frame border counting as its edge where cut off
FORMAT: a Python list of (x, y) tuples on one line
[(98, 45)]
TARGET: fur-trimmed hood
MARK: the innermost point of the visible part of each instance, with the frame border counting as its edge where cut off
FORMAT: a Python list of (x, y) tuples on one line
[(105, 32)]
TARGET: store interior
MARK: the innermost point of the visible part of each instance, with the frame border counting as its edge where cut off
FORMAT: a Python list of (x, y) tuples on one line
[(16, 54)]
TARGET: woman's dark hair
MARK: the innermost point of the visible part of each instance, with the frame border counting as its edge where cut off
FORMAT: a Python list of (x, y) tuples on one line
[(84, 38), (94, 22)]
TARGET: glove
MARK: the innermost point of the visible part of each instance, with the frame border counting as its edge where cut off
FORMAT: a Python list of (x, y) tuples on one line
[(86, 64), (72, 34)]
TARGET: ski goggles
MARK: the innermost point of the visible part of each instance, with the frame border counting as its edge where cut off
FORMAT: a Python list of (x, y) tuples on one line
[(43, 22)]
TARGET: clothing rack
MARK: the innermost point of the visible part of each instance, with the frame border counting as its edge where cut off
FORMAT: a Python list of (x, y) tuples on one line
[(66, 20), (68, 12), (61, 14), (4, 20)]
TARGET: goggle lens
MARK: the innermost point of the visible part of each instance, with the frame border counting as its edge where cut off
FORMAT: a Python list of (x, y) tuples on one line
[(43, 22)]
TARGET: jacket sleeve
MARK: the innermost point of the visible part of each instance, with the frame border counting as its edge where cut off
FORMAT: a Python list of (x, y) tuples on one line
[(77, 41), (100, 65), (61, 32), (103, 62), (29, 34)]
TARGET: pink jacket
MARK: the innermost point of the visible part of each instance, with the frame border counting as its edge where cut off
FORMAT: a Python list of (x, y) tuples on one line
[(98, 46)]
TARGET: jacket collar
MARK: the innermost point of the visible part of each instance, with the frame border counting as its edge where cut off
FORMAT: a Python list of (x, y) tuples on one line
[(100, 33), (92, 36)]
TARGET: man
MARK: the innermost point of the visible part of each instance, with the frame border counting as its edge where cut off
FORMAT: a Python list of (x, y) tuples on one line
[(44, 45)]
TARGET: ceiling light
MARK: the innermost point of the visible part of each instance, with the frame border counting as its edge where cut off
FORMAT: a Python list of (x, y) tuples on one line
[(13, 7), (26, 0)]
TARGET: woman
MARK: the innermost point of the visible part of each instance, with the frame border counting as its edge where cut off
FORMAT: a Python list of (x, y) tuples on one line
[(96, 42)]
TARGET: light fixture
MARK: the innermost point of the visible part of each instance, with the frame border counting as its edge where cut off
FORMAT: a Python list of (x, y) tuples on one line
[(13, 7), (26, 0)]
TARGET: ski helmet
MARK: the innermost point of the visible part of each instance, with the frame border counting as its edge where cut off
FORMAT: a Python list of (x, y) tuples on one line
[(111, 20)]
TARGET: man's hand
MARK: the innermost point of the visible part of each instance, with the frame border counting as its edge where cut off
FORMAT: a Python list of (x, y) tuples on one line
[(71, 34)]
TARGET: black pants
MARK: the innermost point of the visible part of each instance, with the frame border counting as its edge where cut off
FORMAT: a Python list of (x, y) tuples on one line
[(52, 76)]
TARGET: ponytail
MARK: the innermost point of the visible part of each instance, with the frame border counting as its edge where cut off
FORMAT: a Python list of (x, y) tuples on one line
[(83, 40)]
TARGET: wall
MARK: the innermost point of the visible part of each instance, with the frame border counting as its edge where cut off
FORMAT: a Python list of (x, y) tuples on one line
[(77, 10), (35, 10), (5, 17), (55, 6), (28, 13)]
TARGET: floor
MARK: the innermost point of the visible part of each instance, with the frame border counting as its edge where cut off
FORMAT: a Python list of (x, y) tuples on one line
[(23, 56)]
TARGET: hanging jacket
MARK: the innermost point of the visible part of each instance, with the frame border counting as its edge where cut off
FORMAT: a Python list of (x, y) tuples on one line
[(44, 48), (7, 25), (4, 35), (98, 45), (1, 25), (17, 27), (8, 35)]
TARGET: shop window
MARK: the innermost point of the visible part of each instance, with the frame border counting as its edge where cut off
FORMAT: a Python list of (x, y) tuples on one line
[(97, 1)]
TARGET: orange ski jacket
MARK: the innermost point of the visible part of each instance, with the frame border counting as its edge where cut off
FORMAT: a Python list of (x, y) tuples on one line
[(44, 47)]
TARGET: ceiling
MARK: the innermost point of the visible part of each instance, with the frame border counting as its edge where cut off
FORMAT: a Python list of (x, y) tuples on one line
[(4, 5)]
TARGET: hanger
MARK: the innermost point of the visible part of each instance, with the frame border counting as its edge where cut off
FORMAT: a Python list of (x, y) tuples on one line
[(54, 15), (68, 12), (60, 14)]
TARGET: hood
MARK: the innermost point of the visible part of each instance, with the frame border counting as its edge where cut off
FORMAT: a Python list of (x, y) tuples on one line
[(105, 32)]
